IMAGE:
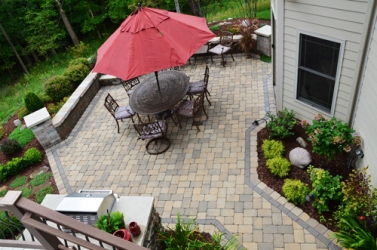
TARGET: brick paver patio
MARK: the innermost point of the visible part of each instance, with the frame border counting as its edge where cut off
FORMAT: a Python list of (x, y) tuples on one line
[(209, 174)]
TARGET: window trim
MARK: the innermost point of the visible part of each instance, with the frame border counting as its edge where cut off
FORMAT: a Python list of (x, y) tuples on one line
[(337, 76)]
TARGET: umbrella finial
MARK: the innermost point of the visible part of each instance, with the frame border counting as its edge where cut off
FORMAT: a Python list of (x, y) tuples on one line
[(139, 4)]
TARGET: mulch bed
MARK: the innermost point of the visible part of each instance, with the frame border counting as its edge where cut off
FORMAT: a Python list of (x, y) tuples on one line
[(8, 128), (232, 22), (337, 166)]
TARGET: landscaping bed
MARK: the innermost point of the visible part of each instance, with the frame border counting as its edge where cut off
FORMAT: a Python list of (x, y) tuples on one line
[(8, 128)]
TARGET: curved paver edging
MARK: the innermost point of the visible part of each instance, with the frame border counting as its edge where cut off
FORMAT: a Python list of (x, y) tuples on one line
[(263, 193), (267, 196)]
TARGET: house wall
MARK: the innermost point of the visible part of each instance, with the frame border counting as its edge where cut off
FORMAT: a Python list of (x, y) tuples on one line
[(340, 19), (366, 109)]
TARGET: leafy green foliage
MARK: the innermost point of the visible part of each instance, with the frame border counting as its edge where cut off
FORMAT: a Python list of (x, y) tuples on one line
[(23, 136), (10, 146), (58, 87), (3, 192), (54, 109), (76, 74), (325, 188), (214, 28), (359, 196), (22, 113), (32, 156), (13, 167), (295, 191), (272, 149), (78, 51), (26, 192), (279, 166), (281, 125), (79, 61), (41, 194), (40, 179), (33, 102), (186, 235), (330, 137), (19, 181), (7, 227), (2, 132), (354, 234), (233, 29), (110, 222)]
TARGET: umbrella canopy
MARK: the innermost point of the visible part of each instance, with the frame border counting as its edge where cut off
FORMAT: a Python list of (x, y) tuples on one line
[(150, 40)]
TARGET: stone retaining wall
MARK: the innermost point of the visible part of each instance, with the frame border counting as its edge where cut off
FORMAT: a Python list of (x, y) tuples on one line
[(67, 117)]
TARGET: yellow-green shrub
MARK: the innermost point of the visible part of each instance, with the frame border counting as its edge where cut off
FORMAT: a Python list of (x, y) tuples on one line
[(272, 149), (295, 191), (57, 87), (279, 166)]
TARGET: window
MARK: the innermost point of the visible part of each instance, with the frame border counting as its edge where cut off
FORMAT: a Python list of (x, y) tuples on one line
[(318, 71)]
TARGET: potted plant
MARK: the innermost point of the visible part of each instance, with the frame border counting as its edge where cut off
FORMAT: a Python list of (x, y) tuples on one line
[(110, 222), (247, 43)]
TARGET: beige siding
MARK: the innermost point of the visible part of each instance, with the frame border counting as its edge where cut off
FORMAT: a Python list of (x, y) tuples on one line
[(339, 19), (366, 111)]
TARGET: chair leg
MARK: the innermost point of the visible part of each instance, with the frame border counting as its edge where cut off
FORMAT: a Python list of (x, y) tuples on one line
[(193, 122), (117, 125), (207, 98), (223, 62), (179, 119), (204, 110), (232, 56)]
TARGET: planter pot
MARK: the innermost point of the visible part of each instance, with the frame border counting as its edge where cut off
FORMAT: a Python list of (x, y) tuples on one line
[(134, 228), (124, 234)]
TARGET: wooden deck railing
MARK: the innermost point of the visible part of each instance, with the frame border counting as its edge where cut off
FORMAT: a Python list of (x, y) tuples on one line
[(54, 230)]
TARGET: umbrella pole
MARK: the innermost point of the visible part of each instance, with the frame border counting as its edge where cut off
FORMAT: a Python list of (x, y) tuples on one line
[(158, 83)]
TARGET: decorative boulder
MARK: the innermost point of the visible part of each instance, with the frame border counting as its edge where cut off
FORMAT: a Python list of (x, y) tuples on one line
[(301, 141), (300, 157), (17, 122)]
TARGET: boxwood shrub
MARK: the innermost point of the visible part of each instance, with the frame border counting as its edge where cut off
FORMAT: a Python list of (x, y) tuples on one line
[(295, 191), (279, 166), (272, 149), (58, 87)]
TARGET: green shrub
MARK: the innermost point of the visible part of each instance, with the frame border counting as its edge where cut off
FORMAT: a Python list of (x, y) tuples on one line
[(22, 113), (15, 166), (279, 166), (41, 194), (354, 235), (281, 125), (58, 87), (45, 98), (76, 74), (54, 109), (19, 181), (214, 28), (3, 192), (10, 146), (2, 132), (325, 188), (26, 192), (78, 50), (40, 179), (22, 136), (116, 222), (33, 102), (32, 156), (295, 191), (233, 29), (92, 61), (79, 61), (330, 137), (272, 149), (9, 227)]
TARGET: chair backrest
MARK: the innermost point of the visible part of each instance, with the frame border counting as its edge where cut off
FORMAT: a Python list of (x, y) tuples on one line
[(198, 102), (111, 104), (226, 38), (129, 84), (206, 75)]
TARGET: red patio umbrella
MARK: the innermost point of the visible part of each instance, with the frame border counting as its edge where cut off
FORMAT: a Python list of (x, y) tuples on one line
[(150, 40)]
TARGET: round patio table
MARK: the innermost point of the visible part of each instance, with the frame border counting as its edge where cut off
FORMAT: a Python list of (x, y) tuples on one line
[(147, 99)]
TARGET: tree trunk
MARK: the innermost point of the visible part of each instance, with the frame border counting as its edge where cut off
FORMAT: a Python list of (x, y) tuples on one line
[(195, 7), (67, 24), (13, 48), (177, 6), (35, 56)]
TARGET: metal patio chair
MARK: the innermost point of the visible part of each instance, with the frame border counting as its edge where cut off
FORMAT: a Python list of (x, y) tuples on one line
[(118, 112)]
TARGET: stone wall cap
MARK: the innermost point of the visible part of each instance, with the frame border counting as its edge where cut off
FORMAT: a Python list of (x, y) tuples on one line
[(107, 77), (37, 117), (264, 31)]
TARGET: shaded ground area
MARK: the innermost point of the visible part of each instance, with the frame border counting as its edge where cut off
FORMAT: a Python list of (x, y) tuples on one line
[(337, 166)]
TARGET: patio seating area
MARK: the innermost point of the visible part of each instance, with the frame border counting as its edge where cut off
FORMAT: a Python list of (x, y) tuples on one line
[(208, 174)]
